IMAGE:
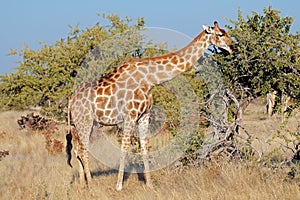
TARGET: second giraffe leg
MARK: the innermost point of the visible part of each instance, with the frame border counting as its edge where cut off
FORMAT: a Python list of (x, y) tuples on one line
[(83, 156), (124, 147), (144, 131), (78, 153)]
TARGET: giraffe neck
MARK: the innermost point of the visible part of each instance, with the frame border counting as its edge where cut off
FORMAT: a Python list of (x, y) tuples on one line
[(167, 67), (190, 54), (148, 72)]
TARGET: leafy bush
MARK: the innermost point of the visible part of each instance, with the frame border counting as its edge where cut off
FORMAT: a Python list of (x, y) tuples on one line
[(266, 56), (46, 76)]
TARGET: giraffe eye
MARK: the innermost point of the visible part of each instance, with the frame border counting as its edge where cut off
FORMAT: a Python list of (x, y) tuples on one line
[(220, 34)]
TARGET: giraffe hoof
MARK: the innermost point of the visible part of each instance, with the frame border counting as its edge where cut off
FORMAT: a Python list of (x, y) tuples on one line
[(119, 187)]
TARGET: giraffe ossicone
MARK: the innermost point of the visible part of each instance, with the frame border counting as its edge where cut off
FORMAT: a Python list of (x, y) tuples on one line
[(124, 96)]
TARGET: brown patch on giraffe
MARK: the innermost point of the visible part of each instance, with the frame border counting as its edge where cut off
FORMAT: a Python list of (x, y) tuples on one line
[(99, 113), (121, 69), (137, 75), (194, 59), (143, 70), (129, 94), (144, 88), (130, 105), (195, 51), (162, 75), (85, 93), (133, 113), (202, 44), (169, 67), (181, 67), (136, 104), (100, 91), (83, 101), (88, 84), (158, 62), (187, 65), (161, 68), (113, 87), (131, 67), (165, 62), (151, 78), (101, 100), (181, 60), (107, 77), (121, 84), (93, 94), (152, 69), (136, 94), (120, 104), (114, 112), (78, 95), (114, 71), (130, 82), (121, 93), (116, 76), (77, 104), (107, 112), (105, 83), (107, 91), (189, 50), (174, 60)]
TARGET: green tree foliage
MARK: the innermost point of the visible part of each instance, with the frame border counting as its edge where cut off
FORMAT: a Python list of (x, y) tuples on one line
[(266, 56), (266, 59), (46, 76)]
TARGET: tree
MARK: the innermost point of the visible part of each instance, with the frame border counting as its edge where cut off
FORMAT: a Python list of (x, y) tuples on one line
[(266, 56), (46, 76), (266, 59)]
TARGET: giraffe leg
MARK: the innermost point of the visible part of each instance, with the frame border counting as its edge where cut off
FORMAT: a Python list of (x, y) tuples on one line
[(78, 153), (83, 157), (84, 170), (143, 131), (124, 147)]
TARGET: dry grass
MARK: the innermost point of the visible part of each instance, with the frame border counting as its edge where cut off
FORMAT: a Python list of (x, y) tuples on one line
[(30, 172), (263, 128)]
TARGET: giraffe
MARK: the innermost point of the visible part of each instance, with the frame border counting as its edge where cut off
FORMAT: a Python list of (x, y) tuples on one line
[(124, 96), (270, 104), (286, 101)]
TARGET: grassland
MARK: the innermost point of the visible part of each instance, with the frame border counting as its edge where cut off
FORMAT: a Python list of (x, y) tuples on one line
[(30, 172)]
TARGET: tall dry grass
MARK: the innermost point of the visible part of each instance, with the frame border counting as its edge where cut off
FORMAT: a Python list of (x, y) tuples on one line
[(30, 172)]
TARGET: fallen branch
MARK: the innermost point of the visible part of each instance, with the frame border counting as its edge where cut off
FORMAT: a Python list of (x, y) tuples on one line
[(225, 139)]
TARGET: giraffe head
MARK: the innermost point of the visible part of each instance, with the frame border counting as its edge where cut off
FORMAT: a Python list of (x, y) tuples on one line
[(219, 37)]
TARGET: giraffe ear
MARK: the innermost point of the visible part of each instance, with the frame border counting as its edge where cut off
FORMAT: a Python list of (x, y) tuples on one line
[(207, 29), (216, 25)]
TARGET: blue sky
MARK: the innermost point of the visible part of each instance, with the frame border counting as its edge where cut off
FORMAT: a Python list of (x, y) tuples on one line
[(30, 21)]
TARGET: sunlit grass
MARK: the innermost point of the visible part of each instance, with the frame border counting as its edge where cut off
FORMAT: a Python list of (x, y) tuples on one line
[(30, 172)]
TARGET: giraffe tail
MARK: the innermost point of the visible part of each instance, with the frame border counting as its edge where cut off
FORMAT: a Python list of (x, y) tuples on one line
[(69, 145)]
